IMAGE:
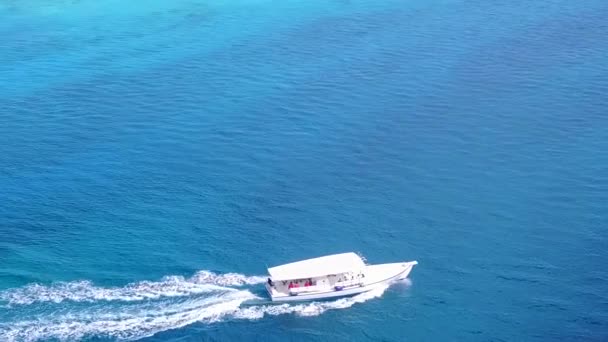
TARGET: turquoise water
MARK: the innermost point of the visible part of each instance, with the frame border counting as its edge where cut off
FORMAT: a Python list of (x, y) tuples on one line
[(157, 155)]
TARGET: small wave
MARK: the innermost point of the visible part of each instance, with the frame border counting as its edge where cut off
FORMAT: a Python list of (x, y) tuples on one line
[(85, 291)]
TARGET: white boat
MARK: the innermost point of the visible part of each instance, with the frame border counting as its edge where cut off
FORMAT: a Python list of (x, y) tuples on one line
[(330, 276)]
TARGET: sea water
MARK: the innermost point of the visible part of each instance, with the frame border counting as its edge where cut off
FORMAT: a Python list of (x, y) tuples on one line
[(156, 156)]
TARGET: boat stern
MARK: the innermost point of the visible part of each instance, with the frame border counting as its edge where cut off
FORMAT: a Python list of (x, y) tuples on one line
[(270, 288)]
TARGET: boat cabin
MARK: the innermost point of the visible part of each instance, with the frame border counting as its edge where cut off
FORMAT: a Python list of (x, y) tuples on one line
[(328, 273)]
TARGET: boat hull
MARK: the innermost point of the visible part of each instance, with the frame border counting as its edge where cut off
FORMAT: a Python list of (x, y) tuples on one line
[(376, 275)]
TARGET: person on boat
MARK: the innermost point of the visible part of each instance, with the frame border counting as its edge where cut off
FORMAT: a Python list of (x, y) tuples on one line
[(290, 285), (307, 284)]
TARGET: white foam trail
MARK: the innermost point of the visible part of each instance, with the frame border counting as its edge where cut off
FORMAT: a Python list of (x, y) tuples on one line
[(119, 320), (85, 291), (227, 279), (111, 324)]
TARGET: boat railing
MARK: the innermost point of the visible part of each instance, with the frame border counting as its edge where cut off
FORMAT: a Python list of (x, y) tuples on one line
[(363, 258), (349, 283), (301, 289)]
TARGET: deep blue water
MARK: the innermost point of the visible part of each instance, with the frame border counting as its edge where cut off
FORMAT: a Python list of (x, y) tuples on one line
[(155, 156)]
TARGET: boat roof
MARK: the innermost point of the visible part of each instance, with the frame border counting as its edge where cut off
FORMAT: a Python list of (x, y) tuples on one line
[(317, 267)]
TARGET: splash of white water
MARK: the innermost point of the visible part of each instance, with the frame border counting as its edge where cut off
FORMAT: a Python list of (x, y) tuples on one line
[(121, 324), (85, 291), (118, 313)]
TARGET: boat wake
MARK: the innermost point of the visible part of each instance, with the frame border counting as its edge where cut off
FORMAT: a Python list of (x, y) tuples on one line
[(77, 310), (85, 291)]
